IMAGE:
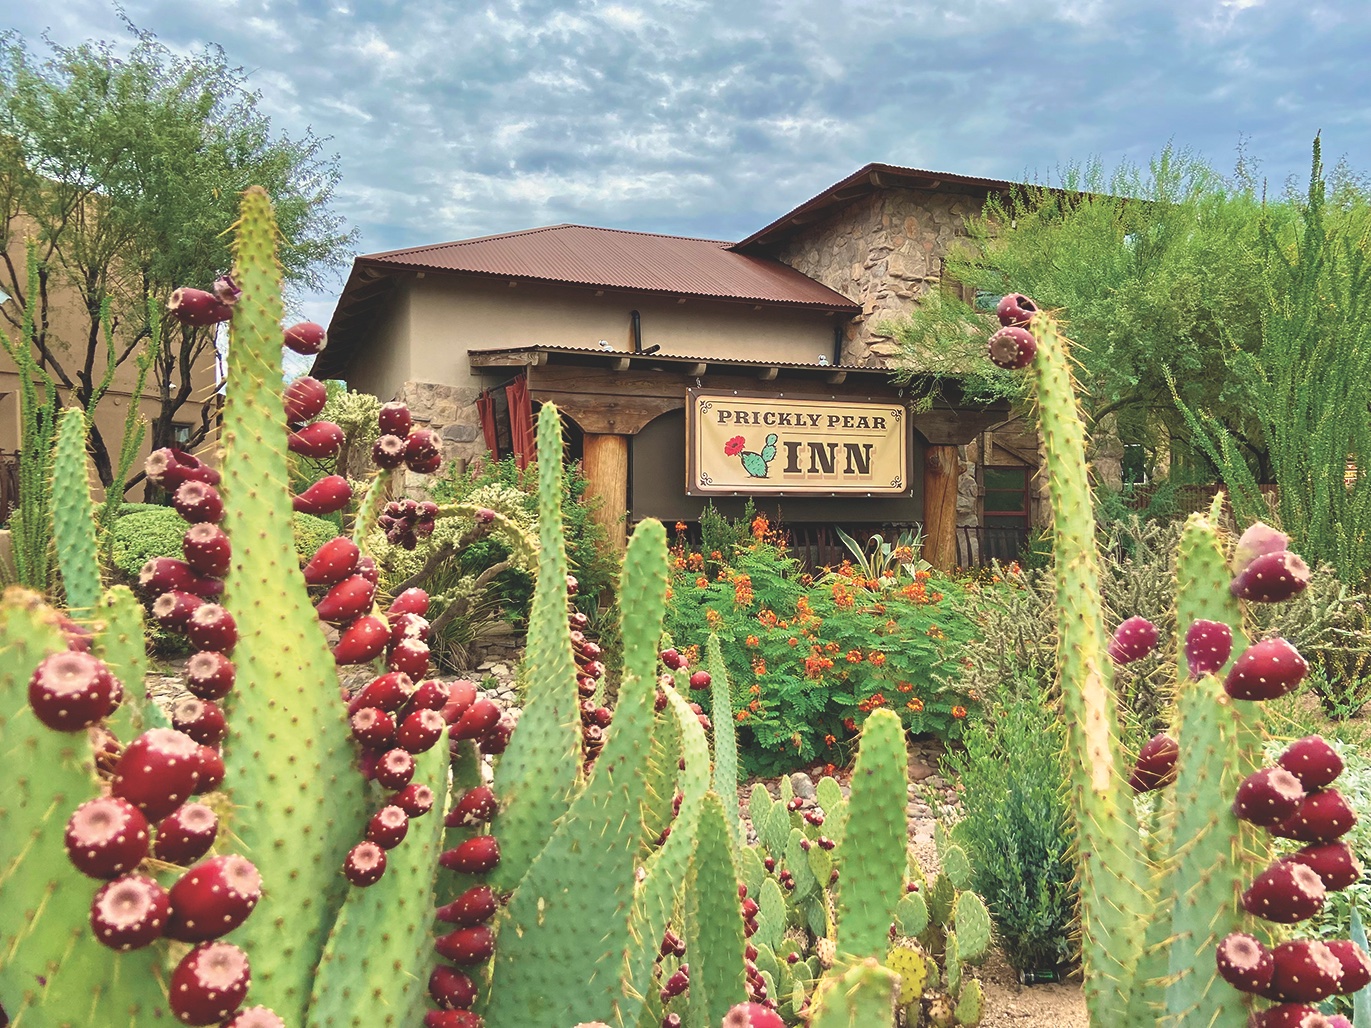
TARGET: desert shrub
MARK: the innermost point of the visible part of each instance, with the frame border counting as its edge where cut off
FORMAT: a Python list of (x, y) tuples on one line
[(808, 660), (1016, 825), (151, 531)]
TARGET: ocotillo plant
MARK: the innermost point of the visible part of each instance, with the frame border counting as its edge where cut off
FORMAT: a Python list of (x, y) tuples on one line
[(1166, 921)]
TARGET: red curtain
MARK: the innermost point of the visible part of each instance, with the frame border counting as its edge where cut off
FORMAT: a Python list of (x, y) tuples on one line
[(486, 408), (521, 421)]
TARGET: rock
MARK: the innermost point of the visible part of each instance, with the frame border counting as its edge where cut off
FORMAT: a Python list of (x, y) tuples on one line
[(803, 786), (919, 771)]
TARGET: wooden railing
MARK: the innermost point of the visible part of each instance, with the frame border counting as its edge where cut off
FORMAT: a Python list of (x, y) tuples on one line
[(978, 546)]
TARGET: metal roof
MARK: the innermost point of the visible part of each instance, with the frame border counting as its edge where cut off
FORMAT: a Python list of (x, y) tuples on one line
[(609, 258), (522, 355), (867, 180)]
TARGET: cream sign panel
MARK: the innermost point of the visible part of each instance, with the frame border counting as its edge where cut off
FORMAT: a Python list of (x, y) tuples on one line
[(751, 445)]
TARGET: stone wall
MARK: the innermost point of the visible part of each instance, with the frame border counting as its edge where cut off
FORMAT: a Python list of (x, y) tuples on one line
[(451, 412), (883, 251)]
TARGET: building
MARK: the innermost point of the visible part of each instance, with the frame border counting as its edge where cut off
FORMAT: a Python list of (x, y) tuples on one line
[(657, 348)]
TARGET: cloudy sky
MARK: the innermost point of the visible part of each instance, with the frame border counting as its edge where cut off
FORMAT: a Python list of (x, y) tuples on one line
[(456, 118)]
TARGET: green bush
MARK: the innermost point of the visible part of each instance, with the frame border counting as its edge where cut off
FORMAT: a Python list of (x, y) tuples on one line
[(151, 531), (809, 659), (1017, 824)]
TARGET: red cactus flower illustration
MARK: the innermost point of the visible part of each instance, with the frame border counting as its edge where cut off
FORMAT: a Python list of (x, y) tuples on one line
[(734, 446)]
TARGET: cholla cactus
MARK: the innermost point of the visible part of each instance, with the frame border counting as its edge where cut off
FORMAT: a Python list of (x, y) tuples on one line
[(1172, 910)]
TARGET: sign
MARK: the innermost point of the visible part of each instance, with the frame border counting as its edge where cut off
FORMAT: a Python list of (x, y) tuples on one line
[(751, 445)]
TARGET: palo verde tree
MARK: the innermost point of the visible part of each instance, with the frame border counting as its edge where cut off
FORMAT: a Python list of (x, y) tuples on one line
[(122, 169)]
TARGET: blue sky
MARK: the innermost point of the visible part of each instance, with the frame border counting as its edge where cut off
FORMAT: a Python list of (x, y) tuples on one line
[(456, 118)]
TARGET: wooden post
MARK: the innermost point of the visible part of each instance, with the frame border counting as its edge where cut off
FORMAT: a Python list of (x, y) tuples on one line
[(606, 470), (942, 468)]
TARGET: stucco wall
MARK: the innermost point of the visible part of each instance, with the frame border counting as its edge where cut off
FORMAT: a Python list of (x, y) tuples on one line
[(883, 251)]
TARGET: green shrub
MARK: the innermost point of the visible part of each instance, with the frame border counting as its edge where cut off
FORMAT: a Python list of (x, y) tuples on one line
[(151, 531), (809, 660), (1017, 825)]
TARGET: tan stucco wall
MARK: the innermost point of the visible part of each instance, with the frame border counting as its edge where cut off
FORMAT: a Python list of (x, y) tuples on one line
[(382, 364), (884, 251)]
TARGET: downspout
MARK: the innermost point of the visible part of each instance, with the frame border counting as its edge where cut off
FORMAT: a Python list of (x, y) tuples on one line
[(636, 329)]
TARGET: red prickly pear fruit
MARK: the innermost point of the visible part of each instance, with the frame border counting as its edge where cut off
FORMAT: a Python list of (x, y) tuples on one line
[(1288, 1015), (1323, 817), (346, 601), (672, 658), (422, 445), (129, 912), (1272, 578), (572, 586), (255, 1017), (411, 601), (425, 465), (592, 651), (213, 898), (173, 609), (585, 685), (750, 909), (209, 983), (306, 338), (361, 641), (466, 946), (752, 1015), (1334, 862), (198, 502), (496, 739), (210, 675), (326, 496), (395, 768), (319, 440), (373, 727), (1285, 893), (1338, 1021), (211, 627), (476, 807), (394, 419), (211, 770), (429, 695), (677, 983), (1012, 348), (206, 549), (1356, 965), (479, 718), (415, 799), (601, 716), (1315, 763), (1015, 309), (169, 467), (1244, 963), (366, 567), (202, 720), (700, 680), (594, 670), (197, 308), (388, 827), (305, 398), (1268, 797), (451, 989), (475, 906), (158, 771), (365, 864), (407, 626), (475, 856), (163, 574), (388, 451), (1208, 645), (1259, 539), (1156, 764), (420, 730), (332, 562), (1266, 671), (410, 656), (106, 837), (452, 1019), (461, 695), (1133, 640), (186, 834), (71, 690), (390, 692), (1306, 971)]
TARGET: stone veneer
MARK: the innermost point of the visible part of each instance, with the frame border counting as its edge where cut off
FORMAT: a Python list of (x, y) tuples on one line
[(451, 412), (883, 251)]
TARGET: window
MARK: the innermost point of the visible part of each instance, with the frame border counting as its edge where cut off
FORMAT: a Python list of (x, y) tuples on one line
[(1006, 499), (180, 433)]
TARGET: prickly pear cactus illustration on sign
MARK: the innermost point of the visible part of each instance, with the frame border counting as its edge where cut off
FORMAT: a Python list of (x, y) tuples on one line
[(755, 464)]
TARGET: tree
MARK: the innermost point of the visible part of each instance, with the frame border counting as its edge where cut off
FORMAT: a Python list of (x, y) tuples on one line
[(1151, 271), (125, 171)]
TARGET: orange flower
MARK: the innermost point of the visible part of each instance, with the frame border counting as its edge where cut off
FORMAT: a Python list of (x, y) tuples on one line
[(877, 658), (760, 524), (959, 712), (752, 640), (712, 618), (849, 724), (756, 690), (680, 526), (830, 769), (759, 667), (854, 656), (741, 715), (754, 706), (793, 641), (715, 555), (905, 687), (702, 582), (915, 704), (831, 647), (829, 741)]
